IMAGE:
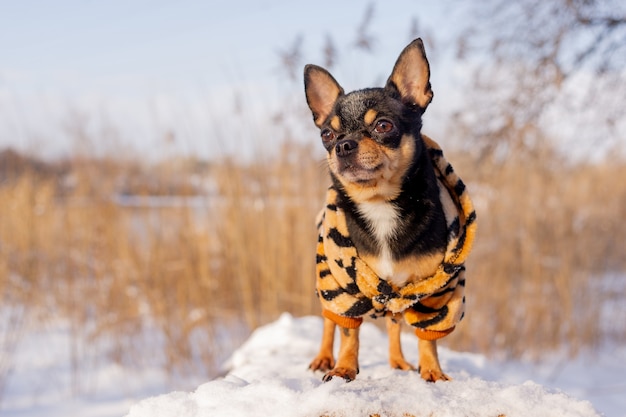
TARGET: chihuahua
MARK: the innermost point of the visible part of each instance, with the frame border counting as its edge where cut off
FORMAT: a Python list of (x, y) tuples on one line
[(397, 225)]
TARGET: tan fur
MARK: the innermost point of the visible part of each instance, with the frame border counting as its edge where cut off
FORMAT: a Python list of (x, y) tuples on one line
[(335, 122), (322, 100), (325, 360), (370, 116), (347, 368), (386, 182), (396, 357), (348, 363), (429, 367), (411, 75)]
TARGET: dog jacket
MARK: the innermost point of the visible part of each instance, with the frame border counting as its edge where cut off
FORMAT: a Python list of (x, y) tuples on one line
[(349, 289)]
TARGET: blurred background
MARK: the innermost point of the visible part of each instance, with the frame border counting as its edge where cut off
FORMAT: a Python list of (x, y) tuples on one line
[(160, 175)]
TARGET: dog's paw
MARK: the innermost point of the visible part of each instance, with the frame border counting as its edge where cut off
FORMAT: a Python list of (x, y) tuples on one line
[(401, 364), (345, 373), (322, 363), (433, 375)]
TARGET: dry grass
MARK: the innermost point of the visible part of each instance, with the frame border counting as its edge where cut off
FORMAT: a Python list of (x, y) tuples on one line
[(548, 234), (200, 270)]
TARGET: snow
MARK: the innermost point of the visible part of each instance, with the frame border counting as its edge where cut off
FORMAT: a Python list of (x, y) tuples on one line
[(268, 375), (55, 374)]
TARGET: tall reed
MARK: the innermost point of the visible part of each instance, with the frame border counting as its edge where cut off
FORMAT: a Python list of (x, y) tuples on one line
[(201, 269)]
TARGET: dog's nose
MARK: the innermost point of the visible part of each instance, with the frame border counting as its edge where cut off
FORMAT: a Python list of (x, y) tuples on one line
[(345, 147)]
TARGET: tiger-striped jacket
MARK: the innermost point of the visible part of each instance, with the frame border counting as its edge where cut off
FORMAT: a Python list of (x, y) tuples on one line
[(348, 289)]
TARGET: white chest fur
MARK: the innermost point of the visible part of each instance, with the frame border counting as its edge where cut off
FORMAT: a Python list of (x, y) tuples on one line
[(382, 218)]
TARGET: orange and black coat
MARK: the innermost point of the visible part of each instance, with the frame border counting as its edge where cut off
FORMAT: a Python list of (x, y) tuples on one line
[(349, 289)]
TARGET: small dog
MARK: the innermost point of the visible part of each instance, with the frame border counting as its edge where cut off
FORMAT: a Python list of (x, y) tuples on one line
[(398, 223)]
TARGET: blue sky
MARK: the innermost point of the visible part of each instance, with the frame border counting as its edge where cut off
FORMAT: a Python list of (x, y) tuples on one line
[(129, 73), (71, 46), (139, 65)]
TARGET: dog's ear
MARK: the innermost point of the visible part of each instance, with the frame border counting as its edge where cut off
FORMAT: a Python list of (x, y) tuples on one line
[(321, 91), (411, 76)]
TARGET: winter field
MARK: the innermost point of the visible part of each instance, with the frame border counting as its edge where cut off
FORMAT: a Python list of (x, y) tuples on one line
[(160, 177), (267, 375), (126, 289)]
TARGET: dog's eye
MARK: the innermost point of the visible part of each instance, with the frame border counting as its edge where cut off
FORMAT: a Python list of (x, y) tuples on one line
[(328, 135), (383, 126)]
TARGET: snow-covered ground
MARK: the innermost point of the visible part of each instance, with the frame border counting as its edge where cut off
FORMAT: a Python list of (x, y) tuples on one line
[(267, 375), (57, 374)]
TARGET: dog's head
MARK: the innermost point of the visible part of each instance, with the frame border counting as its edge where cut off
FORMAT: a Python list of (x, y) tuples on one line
[(373, 135)]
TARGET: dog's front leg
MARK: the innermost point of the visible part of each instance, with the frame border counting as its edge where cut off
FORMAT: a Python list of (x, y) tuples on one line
[(348, 362), (396, 357), (429, 367), (325, 361)]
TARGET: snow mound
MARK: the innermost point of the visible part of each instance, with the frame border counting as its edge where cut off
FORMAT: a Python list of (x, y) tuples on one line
[(268, 376)]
